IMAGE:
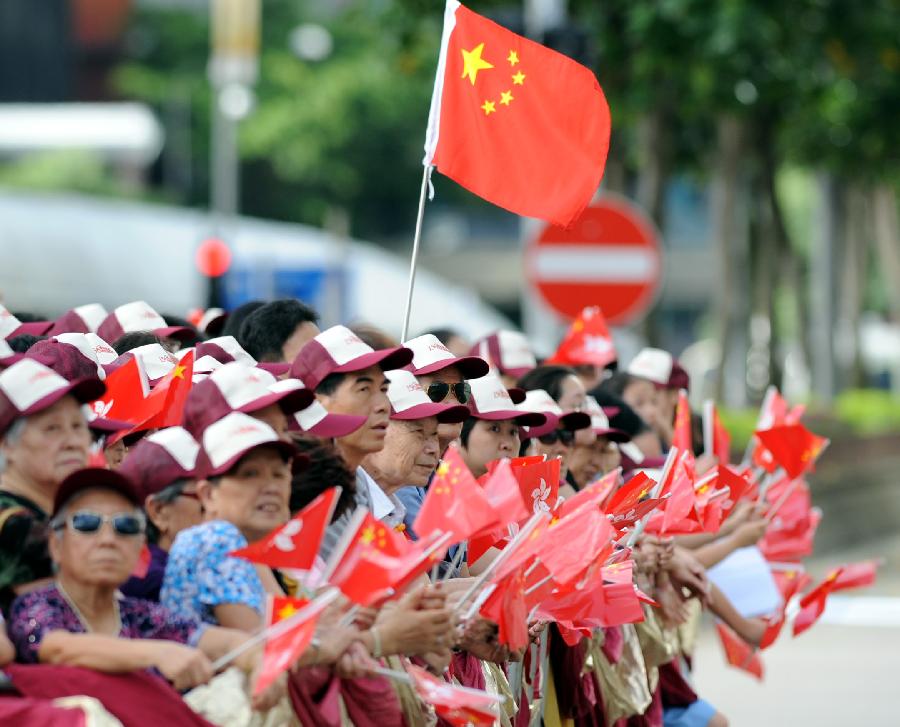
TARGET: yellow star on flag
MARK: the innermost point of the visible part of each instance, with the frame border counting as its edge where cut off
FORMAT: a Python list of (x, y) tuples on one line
[(473, 62), (286, 611), (513, 58), (367, 535), (178, 372), (518, 78), (442, 469), (488, 107), (506, 97)]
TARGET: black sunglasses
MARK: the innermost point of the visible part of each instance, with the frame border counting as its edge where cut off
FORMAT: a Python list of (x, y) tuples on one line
[(89, 522), (566, 437), (438, 391)]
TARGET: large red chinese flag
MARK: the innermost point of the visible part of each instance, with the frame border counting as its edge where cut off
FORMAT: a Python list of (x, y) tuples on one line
[(793, 447), (514, 122)]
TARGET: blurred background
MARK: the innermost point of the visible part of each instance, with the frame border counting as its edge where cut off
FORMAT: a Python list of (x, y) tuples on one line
[(146, 145)]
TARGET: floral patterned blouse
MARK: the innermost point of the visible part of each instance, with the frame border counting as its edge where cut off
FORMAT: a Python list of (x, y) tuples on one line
[(39, 612), (200, 574)]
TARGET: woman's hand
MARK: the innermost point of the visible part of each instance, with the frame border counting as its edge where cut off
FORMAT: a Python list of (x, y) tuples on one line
[(271, 695), (182, 665), (354, 662)]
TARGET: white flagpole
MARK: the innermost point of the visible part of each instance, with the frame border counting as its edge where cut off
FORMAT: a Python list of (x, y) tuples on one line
[(415, 253), (709, 408)]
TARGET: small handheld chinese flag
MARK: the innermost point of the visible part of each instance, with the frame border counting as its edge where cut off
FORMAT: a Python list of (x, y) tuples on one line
[(283, 650), (518, 124)]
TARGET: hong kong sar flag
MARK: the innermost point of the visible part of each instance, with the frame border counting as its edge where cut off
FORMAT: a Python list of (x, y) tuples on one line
[(514, 122)]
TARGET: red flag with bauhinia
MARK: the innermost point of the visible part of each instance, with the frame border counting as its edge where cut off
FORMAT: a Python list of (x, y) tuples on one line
[(126, 392), (793, 447), (359, 579), (538, 480), (518, 124), (812, 605), (171, 393), (296, 543), (282, 651), (506, 607), (588, 342), (790, 582), (459, 706), (739, 653), (455, 502)]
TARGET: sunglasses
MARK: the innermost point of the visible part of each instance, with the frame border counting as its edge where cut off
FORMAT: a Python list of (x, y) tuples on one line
[(438, 391), (89, 522), (566, 437)]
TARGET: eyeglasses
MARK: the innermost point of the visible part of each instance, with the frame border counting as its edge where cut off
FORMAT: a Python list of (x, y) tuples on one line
[(190, 495), (566, 437), (89, 522), (438, 391)]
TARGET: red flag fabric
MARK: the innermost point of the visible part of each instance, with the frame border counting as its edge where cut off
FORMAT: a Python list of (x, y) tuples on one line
[(171, 393), (296, 543), (459, 706), (587, 341), (503, 492), (628, 495), (282, 651), (681, 504), (518, 124), (572, 544), (790, 583), (455, 503), (739, 653), (506, 607), (360, 579), (772, 412), (595, 494), (856, 575), (793, 447), (538, 480), (125, 397), (721, 439), (682, 435), (812, 605)]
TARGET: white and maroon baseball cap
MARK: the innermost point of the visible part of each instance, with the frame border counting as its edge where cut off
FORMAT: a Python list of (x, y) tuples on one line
[(10, 326), (162, 458), (28, 387), (7, 356), (138, 316), (430, 355), (318, 421), (600, 422), (507, 351), (153, 359), (652, 364), (233, 436), (409, 401), (231, 347), (236, 387), (490, 400), (83, 319), (338, 350), (539, 400), (212, 321), (91, 345)]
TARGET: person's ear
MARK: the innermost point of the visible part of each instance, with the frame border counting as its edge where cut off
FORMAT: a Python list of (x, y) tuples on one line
[(206, 492), (157, 513), (54, 545)]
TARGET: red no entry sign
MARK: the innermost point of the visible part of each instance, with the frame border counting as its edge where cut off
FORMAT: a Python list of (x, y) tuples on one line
[(610, 257)]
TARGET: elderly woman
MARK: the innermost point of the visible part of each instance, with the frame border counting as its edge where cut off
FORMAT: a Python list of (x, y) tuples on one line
[(164, 468), (43, 438), (80, 619)]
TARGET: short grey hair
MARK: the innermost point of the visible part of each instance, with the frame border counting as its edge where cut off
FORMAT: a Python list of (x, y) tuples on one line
[(12, 436)]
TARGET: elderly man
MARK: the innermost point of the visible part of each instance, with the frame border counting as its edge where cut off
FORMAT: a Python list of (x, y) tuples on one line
[(44, 437)]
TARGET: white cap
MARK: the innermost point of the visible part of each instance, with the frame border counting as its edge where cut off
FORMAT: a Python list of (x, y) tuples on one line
[(652, 364)]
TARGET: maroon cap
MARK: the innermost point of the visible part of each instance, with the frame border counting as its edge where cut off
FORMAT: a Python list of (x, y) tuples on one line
[(236, 387), (91, 478), (7, 356), (276, 368), (10, 326), (409, 401), (339, 350), (64, 358), (491, 400), (139, 316), (318, 421), (679, 378), (508, 351), (83, 319), (226, 441), (538, 400), (28, 387), (430, 355), (161, 459), (204, 348)]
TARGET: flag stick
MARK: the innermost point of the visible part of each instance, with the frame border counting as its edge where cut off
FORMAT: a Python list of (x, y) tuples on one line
[(504, 555), (709, 408), (760, 424), (397, 676), (642, 523), (788, 491), (532, 589), (454, 564), (279, 628), (415, 253)]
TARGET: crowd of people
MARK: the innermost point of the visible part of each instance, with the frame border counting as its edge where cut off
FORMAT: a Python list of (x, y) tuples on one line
[(121, 510)]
